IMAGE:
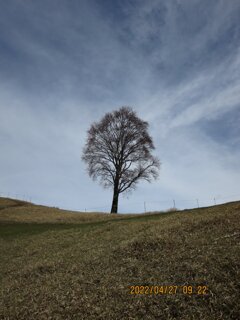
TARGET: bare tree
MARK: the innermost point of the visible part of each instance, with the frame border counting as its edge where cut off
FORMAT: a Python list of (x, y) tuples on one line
[(118, 152)]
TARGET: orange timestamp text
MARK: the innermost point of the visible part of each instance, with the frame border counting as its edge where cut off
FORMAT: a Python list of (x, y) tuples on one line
[(169, 289)]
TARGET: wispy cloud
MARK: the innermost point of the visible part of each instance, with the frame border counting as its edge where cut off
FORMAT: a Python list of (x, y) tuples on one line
[(64, 64)]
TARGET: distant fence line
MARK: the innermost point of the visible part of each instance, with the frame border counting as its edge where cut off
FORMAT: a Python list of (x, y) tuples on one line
[(148, 205), (161, 205), (17, 196)]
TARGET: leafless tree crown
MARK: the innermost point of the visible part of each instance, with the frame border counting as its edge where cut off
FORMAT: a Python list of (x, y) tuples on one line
[(118, 151), (119, 145)]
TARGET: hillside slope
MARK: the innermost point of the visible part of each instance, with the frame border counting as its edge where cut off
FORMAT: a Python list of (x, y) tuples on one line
[(88, 270), (12, 210)]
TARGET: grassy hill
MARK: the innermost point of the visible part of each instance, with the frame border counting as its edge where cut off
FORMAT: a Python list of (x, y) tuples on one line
[(57, 264)]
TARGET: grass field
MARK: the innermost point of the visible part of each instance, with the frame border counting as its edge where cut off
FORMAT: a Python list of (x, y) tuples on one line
[(57, 264)]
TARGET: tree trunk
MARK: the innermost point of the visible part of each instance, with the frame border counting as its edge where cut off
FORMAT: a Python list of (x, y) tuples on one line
[(115, 200)]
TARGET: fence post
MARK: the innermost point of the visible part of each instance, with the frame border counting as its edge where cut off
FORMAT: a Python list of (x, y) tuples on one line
[(174, 205), (197, 203), (144, 206)]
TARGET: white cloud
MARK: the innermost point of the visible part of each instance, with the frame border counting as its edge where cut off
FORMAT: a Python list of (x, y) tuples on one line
[(71, 69)]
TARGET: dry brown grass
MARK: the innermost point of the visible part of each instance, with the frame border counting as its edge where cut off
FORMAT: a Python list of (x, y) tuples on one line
[(7, 202), (84, 271), (20, 211)]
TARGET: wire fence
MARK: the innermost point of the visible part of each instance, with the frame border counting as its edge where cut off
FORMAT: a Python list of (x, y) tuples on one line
[(151, 205), (17, 196), (147, 205)]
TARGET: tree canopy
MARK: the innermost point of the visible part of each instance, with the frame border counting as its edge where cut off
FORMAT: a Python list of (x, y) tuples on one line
[(118, 152)]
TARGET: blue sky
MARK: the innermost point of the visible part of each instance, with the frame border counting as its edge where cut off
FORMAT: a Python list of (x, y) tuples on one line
[(64, 64)]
